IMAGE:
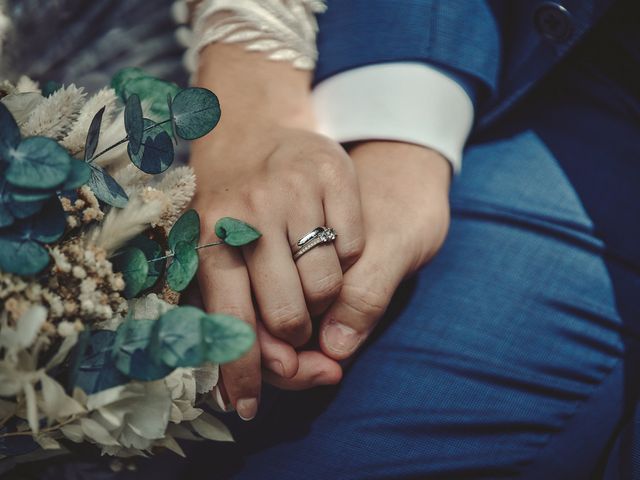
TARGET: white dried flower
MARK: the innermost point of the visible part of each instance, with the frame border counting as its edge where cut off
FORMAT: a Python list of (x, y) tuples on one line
[(74, 141), (179, 186), (26, 85), (54, 117)]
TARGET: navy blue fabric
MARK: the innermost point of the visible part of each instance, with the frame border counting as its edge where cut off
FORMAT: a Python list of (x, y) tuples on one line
[(493, 45)]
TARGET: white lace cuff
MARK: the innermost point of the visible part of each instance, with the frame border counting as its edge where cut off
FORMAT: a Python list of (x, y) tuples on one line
[(284, 29)]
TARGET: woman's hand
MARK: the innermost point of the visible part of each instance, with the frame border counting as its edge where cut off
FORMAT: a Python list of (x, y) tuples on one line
[(404, 191), (259, 167)]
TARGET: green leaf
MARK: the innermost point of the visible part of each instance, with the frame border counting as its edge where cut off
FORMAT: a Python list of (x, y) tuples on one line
[(226, 338), (195, 112), (106, 188), (79, 174), (183, 267), (131, 354), (174, 134), (151, 251), (236, 232), (177, 338), (25, 202), (9, 132), (186, 229), (96, 369), (153, 91), (93, 135), (121, 78), (134, 123), (133, 265), (50, 88), (156, 152), (22, 257), (38, 162)]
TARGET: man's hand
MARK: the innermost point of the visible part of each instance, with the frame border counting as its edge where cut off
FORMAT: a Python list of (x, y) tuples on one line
[(405, 206)]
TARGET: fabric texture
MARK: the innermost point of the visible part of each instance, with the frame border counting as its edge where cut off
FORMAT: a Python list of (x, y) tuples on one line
[(404, 101)]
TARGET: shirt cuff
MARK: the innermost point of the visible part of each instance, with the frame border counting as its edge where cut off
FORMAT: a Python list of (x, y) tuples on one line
[(401, 101)]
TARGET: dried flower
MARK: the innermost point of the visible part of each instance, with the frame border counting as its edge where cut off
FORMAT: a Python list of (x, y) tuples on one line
[(55, 115)]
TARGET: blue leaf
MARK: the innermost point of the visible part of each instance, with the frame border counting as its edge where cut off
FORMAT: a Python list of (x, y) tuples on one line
[(97, 370), (134, 123), (155, 154), (45, 227), (106, 188), (93, 135), (22, 257), (9, 133), (195, 112), (130, 351), (176, 340), (38, 162), (79, 174)]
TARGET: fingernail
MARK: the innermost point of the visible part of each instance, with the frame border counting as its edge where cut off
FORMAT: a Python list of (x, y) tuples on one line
[(217, 395), (247, 408), (276, 366), (340, 338)]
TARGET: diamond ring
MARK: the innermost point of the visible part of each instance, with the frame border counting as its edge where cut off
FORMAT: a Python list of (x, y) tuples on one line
[(317, 236)]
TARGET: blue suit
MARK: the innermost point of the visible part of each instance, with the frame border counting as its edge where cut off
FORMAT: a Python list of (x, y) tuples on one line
[(516, 352)]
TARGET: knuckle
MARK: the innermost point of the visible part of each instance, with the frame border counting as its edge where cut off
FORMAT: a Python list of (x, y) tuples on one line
[(367, 302), (287, 320), (351, 250), (257, 198), (325, 288)]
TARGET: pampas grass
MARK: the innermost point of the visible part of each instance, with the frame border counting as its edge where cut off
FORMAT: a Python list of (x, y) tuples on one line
[(121, 225), (75, 139), (56, 114)]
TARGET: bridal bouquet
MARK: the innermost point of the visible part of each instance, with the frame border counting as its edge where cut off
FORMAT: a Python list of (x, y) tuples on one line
[(94, 248)]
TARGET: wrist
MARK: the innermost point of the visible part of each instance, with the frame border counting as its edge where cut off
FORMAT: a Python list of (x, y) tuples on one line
[(253, 89)]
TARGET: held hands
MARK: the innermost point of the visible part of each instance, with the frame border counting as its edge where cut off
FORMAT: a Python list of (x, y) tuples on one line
[(264, 165)]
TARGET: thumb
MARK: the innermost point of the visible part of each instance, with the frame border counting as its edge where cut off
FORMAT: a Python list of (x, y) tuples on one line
[(366, 292)]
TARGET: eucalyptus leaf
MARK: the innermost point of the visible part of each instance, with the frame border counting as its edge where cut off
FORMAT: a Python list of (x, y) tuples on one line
[(50, 87), (6, 217), (185, 229), (153, 91), (183, 267), (79, 174), (25, 202), (9, 133), (97, 370), (93, 135), (226, 338), (38, 162), (152, 250), (122, 76), (195, 112), (106, 188), (22, 257), (131, 354), (174, 134), (235, 232), (134, 123), (133, 265), (155, 154), (177, 338)]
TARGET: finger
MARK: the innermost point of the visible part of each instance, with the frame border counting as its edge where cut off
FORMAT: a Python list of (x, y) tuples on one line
[(315, 369), (277, 356), (225, 288), (277, 288), (319, 268), (342, 212), (366, 292)]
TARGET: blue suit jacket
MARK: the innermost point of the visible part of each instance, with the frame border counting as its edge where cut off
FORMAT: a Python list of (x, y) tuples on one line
[(500, 47)]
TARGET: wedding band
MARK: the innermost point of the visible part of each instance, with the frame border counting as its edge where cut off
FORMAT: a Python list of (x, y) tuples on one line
[(317, 236)]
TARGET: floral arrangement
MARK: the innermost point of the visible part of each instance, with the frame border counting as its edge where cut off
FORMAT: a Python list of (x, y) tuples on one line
[(94, 250)]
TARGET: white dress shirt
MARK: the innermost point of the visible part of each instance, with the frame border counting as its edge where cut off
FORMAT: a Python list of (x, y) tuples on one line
[(401, 101)]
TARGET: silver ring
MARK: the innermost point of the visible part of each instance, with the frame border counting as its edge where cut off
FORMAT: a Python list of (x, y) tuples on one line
[(317, 236)]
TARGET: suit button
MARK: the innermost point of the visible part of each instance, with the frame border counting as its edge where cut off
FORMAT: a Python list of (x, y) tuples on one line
[(553, 22)]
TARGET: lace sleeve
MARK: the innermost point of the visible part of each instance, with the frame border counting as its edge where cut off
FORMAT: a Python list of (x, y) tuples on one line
[(284, 29)]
